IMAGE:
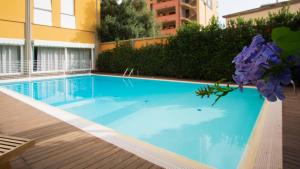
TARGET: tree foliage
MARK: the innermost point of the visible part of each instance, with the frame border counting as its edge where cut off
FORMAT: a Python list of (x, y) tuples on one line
[(130, 19)]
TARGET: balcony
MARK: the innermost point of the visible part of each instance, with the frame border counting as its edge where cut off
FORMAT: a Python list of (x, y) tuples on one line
[(185, 20), (166, 18), (165, 4), (192, 3), (189, 5)]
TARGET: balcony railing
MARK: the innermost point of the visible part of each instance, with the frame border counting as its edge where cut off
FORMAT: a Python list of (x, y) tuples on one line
[(189, 6), (20, 68), (165, 4), (192, 3), (166, 18)]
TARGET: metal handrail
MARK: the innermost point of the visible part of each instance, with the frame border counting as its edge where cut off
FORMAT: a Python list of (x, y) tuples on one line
[(124, 74), (131, 72)]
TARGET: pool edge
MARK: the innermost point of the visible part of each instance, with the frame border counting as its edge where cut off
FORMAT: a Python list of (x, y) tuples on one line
[(258, 135), (159, 156), (152, 153)]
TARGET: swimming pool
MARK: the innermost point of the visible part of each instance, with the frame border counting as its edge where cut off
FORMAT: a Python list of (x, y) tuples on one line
[(166, 114)]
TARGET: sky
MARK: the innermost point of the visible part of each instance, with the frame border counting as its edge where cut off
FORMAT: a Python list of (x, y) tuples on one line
[(232, 6)]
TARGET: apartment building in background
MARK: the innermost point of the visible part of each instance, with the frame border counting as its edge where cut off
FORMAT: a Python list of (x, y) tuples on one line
[(47, 36), (264, 10), (171, 14)]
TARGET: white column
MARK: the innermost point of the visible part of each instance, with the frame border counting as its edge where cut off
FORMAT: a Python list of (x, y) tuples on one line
[(9, 59), (21, 66), (28, 46), (92, 65), (66, 60)]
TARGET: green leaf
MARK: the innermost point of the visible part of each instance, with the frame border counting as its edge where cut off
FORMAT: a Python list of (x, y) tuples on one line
[(215, 89), (287, 40)]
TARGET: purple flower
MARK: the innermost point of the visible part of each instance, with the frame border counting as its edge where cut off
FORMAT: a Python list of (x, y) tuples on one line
[(254, 62)]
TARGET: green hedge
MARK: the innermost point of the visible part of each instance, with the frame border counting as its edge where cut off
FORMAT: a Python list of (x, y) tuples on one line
[(195, 52)]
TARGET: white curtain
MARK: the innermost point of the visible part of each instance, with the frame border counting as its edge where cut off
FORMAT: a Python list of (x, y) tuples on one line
[(79, 59), (50, 59), (9, 59)]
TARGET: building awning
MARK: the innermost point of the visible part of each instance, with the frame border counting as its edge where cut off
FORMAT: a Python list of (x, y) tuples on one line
[(45, 43), (10, 41)]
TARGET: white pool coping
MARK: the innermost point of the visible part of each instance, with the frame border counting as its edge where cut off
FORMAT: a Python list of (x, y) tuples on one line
[(154, 154)]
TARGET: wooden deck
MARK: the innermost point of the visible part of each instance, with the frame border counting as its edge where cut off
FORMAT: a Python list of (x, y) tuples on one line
[(291, 130), (59, 145)]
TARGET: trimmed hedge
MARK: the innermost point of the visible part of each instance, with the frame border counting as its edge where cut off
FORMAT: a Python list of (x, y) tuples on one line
[(195, 52)]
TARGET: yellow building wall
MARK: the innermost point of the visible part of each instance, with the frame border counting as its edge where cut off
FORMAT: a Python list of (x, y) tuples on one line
[(12, 18), (85, 13), (265, 13), (40, 32)]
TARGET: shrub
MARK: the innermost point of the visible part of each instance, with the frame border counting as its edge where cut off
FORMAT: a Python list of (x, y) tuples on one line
[(196, 52)]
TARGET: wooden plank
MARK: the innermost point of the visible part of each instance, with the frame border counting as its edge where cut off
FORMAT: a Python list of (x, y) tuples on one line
[(117, 160), (12, 151), (56, 158), (146, 165), (15, 138), (64, 152), (83, 156), (105, 156), (291, 129), (127, 162), (8, 143), (3, 150), (11, 141), (58, 145), (136, 164), (108, 162), (7, 147), (95, 156)]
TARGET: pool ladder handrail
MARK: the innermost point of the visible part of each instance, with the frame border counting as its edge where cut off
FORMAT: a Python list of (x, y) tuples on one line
[(130, 73), (124, 74)]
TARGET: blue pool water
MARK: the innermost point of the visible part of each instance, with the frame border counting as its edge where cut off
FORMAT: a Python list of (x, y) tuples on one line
[(166, 114)]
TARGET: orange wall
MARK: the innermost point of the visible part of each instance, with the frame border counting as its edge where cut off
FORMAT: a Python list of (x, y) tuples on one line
[(12, 18), (145, 42), (137, 43), (85, 13), (106, 46)]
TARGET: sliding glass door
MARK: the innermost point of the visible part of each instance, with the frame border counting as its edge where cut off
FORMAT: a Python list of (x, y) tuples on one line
[(53, 59), (47, 59), (10, 59), (79, 59)]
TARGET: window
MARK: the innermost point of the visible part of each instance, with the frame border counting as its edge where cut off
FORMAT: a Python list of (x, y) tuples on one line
[(43, 12), (46, 59), (10, 59), (67, 14), (79, 59)]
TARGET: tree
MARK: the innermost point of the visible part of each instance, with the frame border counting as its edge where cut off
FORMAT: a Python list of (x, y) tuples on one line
[(130, 19)]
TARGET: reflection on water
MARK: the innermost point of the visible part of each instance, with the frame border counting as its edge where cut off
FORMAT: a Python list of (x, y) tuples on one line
[(165, 114)]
